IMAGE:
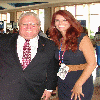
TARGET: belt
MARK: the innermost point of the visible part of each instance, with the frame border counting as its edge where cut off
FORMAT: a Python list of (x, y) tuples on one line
[(76, 67)]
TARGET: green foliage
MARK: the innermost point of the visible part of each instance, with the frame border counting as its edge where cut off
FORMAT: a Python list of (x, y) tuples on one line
[(91, 32), (91, 37)]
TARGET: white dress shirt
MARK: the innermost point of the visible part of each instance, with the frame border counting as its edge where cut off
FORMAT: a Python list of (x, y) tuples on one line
[(33, 43)]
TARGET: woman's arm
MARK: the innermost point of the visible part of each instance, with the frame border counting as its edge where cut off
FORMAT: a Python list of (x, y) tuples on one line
[(87, 48)]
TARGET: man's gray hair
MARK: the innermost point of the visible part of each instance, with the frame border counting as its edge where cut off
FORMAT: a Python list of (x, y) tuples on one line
[(29, 14)]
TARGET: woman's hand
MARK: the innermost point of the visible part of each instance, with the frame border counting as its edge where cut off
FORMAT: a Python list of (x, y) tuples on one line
[(76, 92)]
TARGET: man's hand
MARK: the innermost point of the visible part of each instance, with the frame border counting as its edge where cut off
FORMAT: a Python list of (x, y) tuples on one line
[(46, 94)]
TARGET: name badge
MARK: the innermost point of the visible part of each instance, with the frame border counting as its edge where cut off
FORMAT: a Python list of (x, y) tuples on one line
[(63, 70)]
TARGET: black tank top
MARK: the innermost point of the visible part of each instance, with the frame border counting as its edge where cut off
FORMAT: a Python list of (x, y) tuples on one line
[(72, 58)]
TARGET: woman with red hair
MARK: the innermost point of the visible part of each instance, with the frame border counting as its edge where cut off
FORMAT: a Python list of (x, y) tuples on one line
[(76, 57)]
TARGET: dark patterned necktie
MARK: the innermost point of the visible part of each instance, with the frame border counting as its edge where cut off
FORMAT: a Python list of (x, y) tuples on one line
[(26, 59)]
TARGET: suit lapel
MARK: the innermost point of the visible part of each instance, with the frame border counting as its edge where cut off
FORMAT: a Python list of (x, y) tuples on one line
[(41, 44), (40, 50), (13, 44)]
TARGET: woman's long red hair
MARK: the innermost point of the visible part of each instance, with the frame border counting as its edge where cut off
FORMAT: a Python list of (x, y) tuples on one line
[(72, 33)]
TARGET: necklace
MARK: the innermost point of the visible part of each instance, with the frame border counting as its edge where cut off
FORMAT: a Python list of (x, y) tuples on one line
[(61, 61)]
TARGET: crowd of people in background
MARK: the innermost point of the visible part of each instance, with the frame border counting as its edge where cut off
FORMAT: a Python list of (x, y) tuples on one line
[(1, 30), (14, 30)]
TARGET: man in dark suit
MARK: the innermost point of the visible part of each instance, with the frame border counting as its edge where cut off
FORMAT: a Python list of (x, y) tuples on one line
[(39, 76)]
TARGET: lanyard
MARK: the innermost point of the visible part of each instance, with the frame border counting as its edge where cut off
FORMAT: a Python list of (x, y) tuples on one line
[(62, 54)]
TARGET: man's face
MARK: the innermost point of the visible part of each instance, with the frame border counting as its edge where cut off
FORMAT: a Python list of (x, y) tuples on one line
[(29, 27)]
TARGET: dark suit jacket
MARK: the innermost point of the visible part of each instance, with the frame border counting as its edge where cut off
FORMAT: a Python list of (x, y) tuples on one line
[(16, 84)]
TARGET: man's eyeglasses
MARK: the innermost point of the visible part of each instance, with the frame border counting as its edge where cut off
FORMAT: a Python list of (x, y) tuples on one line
[(31, 24)]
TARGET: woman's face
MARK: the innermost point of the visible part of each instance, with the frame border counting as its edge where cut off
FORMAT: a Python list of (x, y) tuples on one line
[(61, 24)]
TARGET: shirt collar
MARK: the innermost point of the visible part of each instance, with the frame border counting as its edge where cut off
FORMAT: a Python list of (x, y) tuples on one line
[(21, 40)]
